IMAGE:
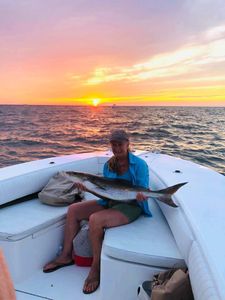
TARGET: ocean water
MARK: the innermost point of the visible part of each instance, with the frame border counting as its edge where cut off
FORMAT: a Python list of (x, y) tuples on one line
[(37, 132)]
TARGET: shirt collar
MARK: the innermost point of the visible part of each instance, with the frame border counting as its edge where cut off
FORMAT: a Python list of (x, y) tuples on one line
[(131, 158)]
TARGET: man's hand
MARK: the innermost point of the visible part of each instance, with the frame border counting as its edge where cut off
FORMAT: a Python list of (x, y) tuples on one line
[(141, 197), (80, 186)]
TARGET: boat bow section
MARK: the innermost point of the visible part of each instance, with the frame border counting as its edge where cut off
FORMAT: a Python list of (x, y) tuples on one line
[(198, 222)]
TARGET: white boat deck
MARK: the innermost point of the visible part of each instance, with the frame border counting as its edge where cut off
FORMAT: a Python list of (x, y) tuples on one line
[(196, 227), (51, 286)]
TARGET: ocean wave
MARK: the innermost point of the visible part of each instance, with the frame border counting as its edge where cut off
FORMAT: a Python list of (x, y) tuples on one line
[(36, 132)]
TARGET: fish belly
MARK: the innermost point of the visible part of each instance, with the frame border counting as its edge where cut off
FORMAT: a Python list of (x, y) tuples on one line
[(112, 193)]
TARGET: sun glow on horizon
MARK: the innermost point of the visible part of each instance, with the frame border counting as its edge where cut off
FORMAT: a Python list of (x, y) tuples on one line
[(123, 64), (96, 102)]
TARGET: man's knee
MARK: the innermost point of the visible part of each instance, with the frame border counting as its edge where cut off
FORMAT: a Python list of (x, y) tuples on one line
[(74, 210), (96, 220)]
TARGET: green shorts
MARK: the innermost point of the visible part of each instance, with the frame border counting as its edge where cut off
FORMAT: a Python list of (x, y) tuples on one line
[(131, 211)]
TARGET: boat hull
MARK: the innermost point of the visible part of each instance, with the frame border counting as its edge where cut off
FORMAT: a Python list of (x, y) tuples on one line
[(196, 228)]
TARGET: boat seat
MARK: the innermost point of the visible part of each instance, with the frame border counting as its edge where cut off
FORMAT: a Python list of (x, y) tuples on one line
[(148, 241), (29, 217)]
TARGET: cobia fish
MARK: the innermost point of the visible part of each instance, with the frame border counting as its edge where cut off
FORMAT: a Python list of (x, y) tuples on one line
[(121, 190)]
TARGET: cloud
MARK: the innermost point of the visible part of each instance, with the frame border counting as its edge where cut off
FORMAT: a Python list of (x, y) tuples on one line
[(216, 33), (86, 47), (189, 59)]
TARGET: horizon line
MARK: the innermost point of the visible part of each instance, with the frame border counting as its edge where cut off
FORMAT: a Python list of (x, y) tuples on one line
[(112, 105)]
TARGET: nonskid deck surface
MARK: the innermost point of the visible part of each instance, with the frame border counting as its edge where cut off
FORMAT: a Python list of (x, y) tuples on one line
[(63, 284)]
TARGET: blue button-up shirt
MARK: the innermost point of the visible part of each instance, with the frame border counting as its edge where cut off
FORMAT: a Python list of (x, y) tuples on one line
[(138, 175)]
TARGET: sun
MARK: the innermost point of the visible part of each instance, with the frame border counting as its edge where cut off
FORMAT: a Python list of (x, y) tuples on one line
[(96, 101)]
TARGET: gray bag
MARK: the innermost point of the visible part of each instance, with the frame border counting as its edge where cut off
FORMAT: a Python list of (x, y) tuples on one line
[(59, 191), (82, 249), (81, 243)]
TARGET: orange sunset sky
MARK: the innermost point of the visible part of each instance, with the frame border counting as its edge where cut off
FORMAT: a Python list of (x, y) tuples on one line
[(125, 52)]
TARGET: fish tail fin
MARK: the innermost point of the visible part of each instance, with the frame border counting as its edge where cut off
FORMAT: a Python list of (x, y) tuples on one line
[(172, 189), (168, 192)]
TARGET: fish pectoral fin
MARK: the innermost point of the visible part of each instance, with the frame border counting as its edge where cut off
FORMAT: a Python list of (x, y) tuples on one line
[(100, 195), (100, 186)]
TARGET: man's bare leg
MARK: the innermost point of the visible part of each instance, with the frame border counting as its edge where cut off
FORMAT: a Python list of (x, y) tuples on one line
[(76, 213), (97, 223)]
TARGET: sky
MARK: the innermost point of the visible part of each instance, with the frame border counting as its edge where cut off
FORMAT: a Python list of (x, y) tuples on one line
[(122, 52)]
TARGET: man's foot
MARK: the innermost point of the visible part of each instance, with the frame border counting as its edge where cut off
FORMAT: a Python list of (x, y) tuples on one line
[(92, 282), (57, 264)]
